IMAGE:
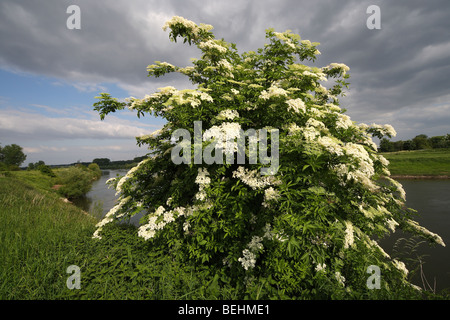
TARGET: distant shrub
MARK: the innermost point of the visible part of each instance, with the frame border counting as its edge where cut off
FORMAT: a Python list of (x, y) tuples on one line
[(44, 169), (95, 170), (75, 182), (3, 167)]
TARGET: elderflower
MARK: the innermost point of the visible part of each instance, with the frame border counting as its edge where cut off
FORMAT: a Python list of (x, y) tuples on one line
[(389, 130), (255, 244), (273, 91), (271, 194), (330, 144), (344, 68), (248, 260), (202, 180), (320, 267), (212, 45), (228, 114), (253, 179), (426, 232), (296, 104), (348, 239), (343, 121), (129, 174), (400, 266), (226, 134), (340, 278), (391, 223)]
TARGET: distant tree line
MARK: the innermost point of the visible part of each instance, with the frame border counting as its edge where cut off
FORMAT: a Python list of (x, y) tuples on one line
[(105, 163), (419, 142)]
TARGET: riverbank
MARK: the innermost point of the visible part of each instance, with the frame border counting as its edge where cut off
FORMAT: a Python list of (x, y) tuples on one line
[(40, 235), (419, 164)]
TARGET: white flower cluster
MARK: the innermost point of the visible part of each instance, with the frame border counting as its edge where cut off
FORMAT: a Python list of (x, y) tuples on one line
[(256, 243), (152, 67), (165, 91), (399, 187), (319, 76), (320, 267), (225, 64), (283, 37), (365, 169), (212, 45), (331, 144), (400, 266), (194, 97), (228, 114), (315, 123), (273, 91), (248, 260), (349, 238), (270, 194), (188, 24), (386, 129), (344, 68), (293, 128), (392, 224), (203, 180), (158, 221), (129, 174), (253, 178), (343, 121), (310, 133), (372, 243), (296, 104), (109, 217), (340, 278), (225, 135), (426, 232)]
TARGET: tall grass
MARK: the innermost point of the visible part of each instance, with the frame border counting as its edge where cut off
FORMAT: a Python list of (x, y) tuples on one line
[(41, 236), (38, 237)]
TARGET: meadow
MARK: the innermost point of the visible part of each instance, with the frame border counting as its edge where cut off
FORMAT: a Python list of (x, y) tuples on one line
[(424, 163)]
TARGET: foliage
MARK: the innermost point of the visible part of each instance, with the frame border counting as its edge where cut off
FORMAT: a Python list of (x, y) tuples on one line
[(12, 155), (95, 170), (77, 180), (46, 170), (304, 232)]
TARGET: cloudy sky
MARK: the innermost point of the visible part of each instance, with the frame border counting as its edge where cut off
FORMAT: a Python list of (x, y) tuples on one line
[(50, 75)]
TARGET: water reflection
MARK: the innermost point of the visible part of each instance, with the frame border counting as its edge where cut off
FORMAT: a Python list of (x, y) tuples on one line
[(99, 200), (431, 199)]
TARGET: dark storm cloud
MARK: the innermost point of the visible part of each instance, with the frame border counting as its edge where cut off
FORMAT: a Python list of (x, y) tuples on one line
[(400, 68)]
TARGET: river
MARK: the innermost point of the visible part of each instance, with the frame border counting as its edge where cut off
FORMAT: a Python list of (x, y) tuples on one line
[(431, 198)]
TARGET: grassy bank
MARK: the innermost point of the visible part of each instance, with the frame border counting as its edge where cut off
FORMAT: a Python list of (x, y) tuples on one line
[(426, 163), (41, 236), (38, 236)]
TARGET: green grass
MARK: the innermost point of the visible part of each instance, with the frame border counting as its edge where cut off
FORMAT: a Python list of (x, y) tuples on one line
[(41, 236), (428, 162), (38, 233)]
